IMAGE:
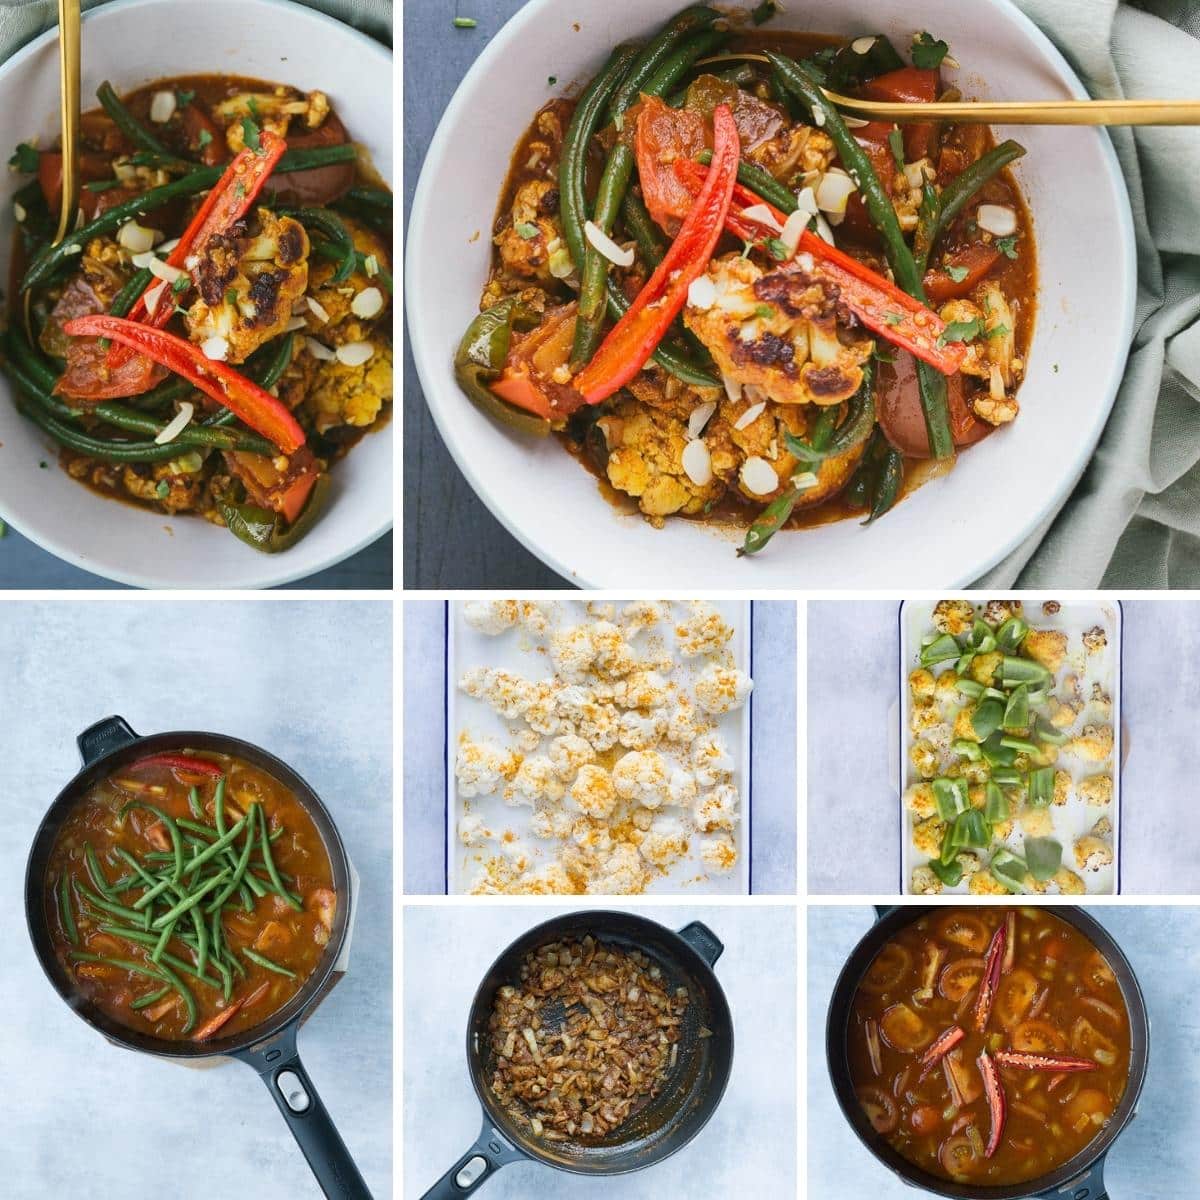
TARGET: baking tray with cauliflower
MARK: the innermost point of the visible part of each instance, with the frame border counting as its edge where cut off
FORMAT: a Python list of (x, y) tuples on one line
[(209, 329), (598, 748), (1010, 747)]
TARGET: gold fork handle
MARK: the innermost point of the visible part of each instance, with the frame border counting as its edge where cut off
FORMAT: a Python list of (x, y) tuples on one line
[(1035, 112), (68, 64)]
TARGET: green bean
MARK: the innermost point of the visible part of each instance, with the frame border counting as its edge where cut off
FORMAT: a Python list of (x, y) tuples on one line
[(243, 862), (198, 923), (127, 297), (641, 227), (187, 904), (578, 138), (887, 484), (219, 807), (161, 945), (117, 910), (657, 70), (264, 961), (216, 847), (860, 420), (146, 1001), (96, 873), (139, 937), (53, 257), (376, 197), (932, 384), (64, 910), (128, 124), (769, 522), (269, 859), (327, 250), (189, 1000), (194, 802), (329, 224), (156, 972), (216, 934), (761, 182), (171, 828), (673, 360)]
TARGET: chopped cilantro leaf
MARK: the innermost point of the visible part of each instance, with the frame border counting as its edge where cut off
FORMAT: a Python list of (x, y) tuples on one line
[(777, 250), (25, 159), (892, 318), (465, 22), (765, 311), (527, 230), (203, 139), (999, 331), (896, 141), (184, 98), (163, 490), (552, 80), (1007, 246), (231, 295), (928, 52), (181, 284), (958, 274), (250, 130), (252, 105), (961, 331)]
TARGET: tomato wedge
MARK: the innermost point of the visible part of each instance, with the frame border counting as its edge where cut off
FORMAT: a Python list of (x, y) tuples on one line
[(245, 399), (973, 262), (909, 85), (632, 340), (662, 135), (898, 402)]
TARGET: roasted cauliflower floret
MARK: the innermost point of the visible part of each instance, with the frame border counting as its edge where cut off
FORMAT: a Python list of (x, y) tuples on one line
[(927, 836), (921, 684), (1062, 787), (249, 280), (269, 110), (1095, 743), (1096, 789), (953, 616), (925, 882), (963, 728), (793, 152), (778, 331), (645, 460), (175, 486), (925, 758), (348, 310), (983, 667), (1037, 822), (984, 883), (530, 243), (1046, 646), (1095, 639), (1063, 716), (996, 612), (341, 394), (919, 800), (1092, 852)]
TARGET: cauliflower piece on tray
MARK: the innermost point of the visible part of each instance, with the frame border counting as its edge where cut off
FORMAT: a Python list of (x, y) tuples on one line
[(641, 775), (722, 689)]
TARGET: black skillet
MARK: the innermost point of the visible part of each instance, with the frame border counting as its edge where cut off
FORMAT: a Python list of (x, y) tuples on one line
[(1081, 1177), (270, 1048), (694, 1087)]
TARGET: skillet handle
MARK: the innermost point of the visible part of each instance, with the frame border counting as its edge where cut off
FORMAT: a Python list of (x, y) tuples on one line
[(703, 941), (1088, 1186), (279, 1065), (105, 736), (492, 1150)]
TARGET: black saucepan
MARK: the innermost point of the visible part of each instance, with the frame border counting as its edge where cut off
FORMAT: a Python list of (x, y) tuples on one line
[(1080, 1178), (270, 1048), (670, 1120)]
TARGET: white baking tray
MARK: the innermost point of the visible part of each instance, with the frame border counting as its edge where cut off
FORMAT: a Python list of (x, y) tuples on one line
[(467, 647), (1076, 817)]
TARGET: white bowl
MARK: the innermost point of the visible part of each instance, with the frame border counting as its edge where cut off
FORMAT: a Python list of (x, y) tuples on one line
[(130, 43), (952, 529)]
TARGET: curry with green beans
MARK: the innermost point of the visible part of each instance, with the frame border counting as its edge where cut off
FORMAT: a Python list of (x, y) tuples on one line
[(189, 895), (735, 305), (214, 332), (989, 1046)]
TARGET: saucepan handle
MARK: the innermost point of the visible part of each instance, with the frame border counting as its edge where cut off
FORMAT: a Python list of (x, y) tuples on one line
[(884, 910), (492, 1150), (703, 941), (1088, 1186), (102, 738), (279, 1065)]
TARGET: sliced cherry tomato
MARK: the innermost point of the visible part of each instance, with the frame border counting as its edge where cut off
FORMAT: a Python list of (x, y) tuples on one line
[(92, 169), (976, 260), (903, 1030), (204, 136), (924, 1119), (1017, 992), (958, 1158), (321, 185), (1038, 1037), (1089, 1042), (965, 930), (1089, 1106), (1097, 973), (909, 85), (961, 978), (664, 134), (284, 492), (887, 968), (898, 397), (880, 1108)]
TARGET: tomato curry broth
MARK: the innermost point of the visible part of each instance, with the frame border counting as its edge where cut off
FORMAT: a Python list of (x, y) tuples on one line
[(232, 958), (1055, 1033), (964, 258)]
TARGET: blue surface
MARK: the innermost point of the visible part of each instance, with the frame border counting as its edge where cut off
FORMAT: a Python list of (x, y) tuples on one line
[(24, 565), (773, 748), (1154, 1159), (166, 664)]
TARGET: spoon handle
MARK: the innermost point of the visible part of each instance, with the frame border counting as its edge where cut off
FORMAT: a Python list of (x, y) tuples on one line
[(68, 64), (1031, 112)]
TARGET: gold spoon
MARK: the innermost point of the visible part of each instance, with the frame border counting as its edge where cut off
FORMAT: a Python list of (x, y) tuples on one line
[(1020, 112), (68, 79)]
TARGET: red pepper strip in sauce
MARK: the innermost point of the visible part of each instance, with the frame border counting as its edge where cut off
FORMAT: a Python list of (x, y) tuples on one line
[(877, 302), (632, 340), (940, 1048), (997, 1104), (991, 979), (178, 762), (228, 201), (1019, 1060), (214, 1024), (245, 399)]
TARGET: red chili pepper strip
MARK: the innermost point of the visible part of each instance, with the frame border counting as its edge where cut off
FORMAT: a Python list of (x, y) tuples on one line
[(877, 302), (1019, 1060), (940, 1048), (997, 1104), (632, 340), (179, 762), (246, 400), (991, 979), (228, 201)]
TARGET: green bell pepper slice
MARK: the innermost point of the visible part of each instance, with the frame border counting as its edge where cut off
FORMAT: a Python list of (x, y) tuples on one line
[(1043, 856), (265, 529)]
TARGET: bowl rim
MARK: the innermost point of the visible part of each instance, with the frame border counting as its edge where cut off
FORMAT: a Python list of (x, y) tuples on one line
[(426, 359), (265, 577)]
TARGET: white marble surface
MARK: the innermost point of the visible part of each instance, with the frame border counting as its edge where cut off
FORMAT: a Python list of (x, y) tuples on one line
[(852, 674), (773, 833), (1153, 1159), (308, 681), (748, 1148)]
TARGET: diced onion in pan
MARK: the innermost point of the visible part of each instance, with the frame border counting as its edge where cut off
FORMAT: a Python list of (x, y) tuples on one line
[(162, 107)]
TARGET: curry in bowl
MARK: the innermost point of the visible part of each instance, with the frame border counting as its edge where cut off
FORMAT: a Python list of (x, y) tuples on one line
[(189, 896), (989, 1046), (734, 304), (214, 333)]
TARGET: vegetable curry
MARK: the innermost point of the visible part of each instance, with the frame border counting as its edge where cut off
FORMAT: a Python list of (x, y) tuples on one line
[(989, 1045), (215, 333), (733, 303), (189, 896)]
